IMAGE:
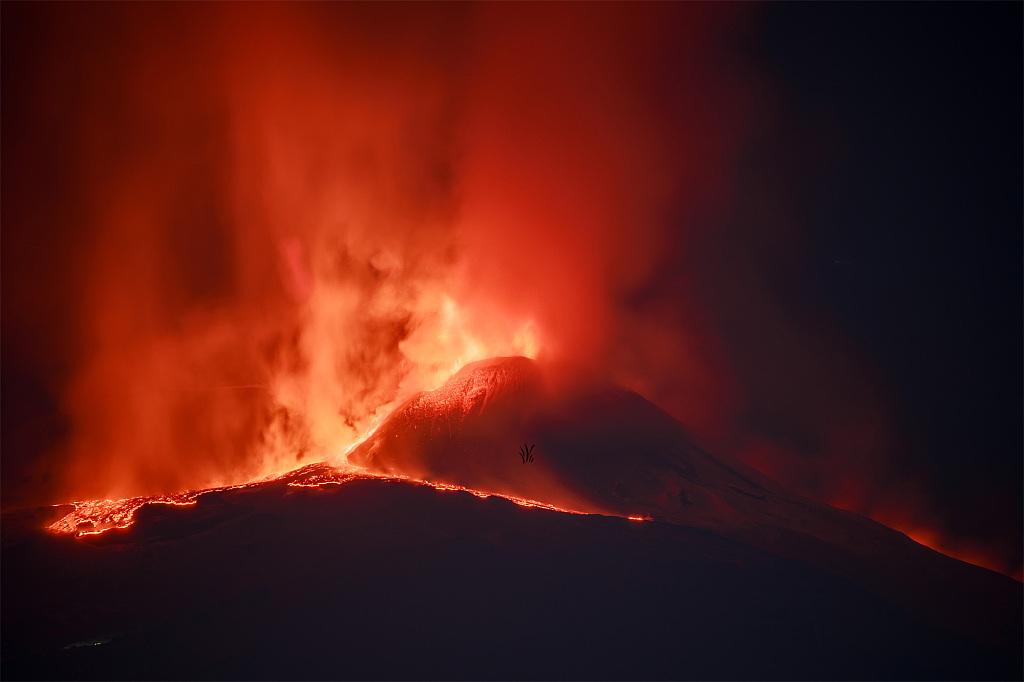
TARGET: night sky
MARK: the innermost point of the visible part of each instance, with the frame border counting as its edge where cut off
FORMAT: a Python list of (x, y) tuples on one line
[(914, 226), (832, 291)]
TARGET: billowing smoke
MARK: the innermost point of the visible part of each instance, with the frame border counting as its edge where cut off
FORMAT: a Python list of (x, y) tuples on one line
[(263, 201), (236, 236), (288, 218)]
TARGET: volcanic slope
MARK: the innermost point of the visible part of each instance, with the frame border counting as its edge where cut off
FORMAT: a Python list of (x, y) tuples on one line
[(334, 574), (386, 579), (600, 448)]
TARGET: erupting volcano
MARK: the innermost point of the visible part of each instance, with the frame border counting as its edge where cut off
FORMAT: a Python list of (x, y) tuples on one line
[(597, 451), (518, 340)]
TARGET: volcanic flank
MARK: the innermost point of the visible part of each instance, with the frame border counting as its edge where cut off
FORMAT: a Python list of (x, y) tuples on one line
[(599, 448), (327, 573), (603, 449)]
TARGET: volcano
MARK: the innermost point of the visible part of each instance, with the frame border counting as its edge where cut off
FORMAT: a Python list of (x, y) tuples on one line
[(606, 450), (674, 563)]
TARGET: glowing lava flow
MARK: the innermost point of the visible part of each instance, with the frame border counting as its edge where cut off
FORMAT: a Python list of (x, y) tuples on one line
[(521, 501), (97, 516), (93, 517)]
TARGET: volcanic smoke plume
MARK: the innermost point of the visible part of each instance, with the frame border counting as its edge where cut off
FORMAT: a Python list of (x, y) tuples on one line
[(236, 237), (272, 223)]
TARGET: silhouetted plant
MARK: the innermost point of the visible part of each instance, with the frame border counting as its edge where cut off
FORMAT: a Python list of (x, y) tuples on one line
[(526, 452)]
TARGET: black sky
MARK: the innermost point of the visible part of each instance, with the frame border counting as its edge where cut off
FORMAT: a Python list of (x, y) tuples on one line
[(912, 205)]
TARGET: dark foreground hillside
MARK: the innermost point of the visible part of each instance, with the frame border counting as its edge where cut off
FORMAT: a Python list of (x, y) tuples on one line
[(385, 579)]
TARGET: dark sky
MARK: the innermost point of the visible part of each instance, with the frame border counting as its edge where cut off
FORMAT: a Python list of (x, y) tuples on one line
[(914, 224), (842, 280)]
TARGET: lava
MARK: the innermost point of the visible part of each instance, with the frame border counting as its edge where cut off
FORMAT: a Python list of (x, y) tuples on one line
[(97, 516), (963, 550), (94, 517)]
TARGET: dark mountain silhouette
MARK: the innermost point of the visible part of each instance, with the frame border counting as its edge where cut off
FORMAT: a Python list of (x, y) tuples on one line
[(733, 576), (605, 449)]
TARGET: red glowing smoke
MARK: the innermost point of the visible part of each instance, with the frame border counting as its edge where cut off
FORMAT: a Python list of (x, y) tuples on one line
[(236, 235), (291, 217)]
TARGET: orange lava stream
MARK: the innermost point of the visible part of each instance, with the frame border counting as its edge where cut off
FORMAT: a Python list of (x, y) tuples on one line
[(521, 501), (92, 517)]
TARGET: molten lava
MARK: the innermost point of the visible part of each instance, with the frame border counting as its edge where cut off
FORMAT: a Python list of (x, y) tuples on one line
[(98, 516)]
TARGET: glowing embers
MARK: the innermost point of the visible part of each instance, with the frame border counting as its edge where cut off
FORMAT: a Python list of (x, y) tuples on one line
[(92, 517)]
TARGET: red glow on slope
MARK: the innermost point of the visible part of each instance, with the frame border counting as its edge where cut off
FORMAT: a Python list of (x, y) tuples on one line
[(908, 518), (521, 501), (964, 550)]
